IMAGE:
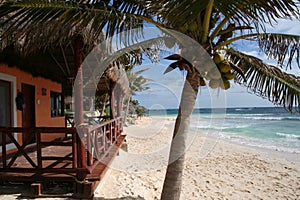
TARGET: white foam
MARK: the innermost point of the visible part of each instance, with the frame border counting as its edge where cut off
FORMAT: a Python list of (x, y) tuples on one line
[(290, 136)]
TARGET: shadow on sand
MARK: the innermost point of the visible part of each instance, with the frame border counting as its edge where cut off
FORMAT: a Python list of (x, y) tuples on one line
[(122, 198), (14, 191), (10, 191)]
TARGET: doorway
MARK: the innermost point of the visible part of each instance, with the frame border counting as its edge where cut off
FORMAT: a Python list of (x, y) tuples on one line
[(28, 114), (6, 116)]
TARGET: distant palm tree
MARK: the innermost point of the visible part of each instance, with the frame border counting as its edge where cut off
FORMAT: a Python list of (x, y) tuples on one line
[(137, 83)]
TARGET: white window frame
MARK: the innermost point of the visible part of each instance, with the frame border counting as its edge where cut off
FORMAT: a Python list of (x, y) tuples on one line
[(13, 81)]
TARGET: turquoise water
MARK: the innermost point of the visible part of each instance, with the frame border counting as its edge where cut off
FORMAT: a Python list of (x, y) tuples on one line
[(271, 128)]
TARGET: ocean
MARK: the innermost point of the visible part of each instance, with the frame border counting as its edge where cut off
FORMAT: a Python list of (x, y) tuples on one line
[(270, 128)]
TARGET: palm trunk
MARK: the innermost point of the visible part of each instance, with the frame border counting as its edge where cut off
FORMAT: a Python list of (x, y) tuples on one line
[(126, 111), (173, 180), (104, 105)]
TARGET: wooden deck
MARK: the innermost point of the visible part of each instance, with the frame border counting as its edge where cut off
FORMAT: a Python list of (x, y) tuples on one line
[(78, 162)]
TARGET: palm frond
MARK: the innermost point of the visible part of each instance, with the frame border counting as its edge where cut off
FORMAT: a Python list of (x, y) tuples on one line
[(174, 57), (254, 13), (47, 22), (181, 64), (250, 11), (282, 47), (141, 71), (137, 82), (267, 81)]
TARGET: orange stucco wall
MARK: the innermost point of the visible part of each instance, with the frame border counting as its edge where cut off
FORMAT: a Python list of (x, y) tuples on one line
[(42, 110)]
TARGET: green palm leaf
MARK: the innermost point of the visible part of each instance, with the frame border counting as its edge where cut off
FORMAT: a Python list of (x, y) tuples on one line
[(268, 81), (240, 11), (282, 47), (54, 22)]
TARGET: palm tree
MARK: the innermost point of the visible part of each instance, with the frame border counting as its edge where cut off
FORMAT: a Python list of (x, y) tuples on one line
[(216, 25), (137, 83)]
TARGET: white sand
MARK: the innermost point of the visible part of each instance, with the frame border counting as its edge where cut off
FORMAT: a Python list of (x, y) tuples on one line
[(214, 169)]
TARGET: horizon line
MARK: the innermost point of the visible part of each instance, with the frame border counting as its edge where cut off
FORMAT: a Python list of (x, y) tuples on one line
[(224, 107)]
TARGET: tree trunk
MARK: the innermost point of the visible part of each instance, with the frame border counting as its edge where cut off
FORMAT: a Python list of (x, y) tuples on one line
[(112, 102), (173, 180), (126, 111), (78, 91), (104, 105)]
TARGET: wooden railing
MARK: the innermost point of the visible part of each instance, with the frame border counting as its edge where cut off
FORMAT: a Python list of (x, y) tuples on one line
[(99, 138), (79, 153), (29, 157)]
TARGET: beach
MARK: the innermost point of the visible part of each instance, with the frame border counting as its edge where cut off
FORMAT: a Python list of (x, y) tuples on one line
[(214, 169)]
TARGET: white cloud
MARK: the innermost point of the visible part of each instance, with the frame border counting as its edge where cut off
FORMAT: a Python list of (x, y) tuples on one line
[(166, 89), (285, 26)]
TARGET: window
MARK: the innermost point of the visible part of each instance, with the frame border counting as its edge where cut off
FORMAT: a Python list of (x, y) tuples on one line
[(5, 107), (8, 111), (56, 104)]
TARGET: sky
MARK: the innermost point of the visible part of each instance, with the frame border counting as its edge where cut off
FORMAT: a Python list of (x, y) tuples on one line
[(165, 89)]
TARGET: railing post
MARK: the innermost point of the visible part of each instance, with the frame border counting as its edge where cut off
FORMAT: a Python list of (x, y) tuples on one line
[(39, 149), (81, 152), (74, 148), (105, 137), (89, 147), (121, 125), (111, 132), (4, 149)]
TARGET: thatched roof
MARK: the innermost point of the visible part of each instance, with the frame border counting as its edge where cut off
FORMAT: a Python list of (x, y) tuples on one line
[(58, 64), (114, 75)]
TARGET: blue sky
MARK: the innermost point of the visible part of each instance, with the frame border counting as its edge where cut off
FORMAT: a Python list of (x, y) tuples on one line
[(165, 89)]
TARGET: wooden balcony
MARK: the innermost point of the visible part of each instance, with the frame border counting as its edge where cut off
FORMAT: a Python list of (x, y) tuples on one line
[(80, 159)]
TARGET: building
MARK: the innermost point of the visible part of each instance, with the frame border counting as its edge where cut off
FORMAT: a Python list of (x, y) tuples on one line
[(36, 145)]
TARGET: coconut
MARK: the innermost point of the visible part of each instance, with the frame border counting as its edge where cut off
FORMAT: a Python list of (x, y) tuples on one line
[(225, 85), (169, 42), (207, 66), (207, 77), (218, 57), (214, 73), (202, 81), (214, 83), (224, 66), (229, 75)]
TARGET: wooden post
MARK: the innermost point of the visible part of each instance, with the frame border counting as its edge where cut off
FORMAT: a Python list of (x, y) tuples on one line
[(4, 149), (79, 107), (119, 111), (74, 148), (39, 149), (89, 148), (35, 189), (79, 82), (112, 101), (119, 97)]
